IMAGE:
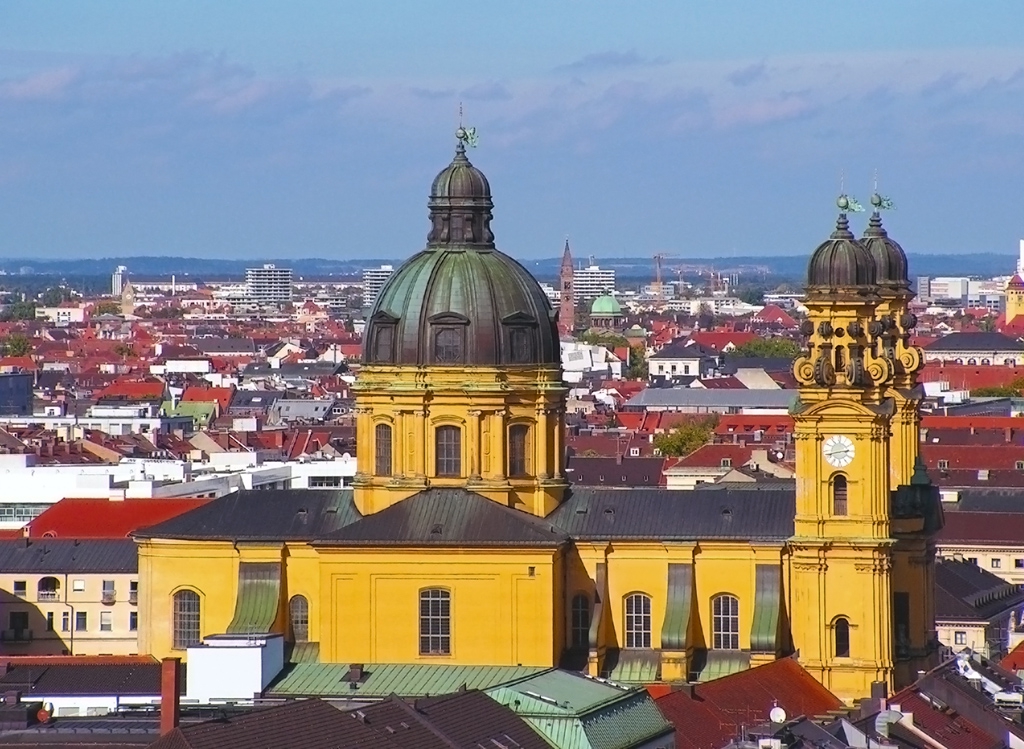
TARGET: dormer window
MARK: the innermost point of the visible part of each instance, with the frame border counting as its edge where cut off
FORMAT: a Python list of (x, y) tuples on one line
[(519, 329), (448, 338), (384, 345), (448, 346), (520, 345)]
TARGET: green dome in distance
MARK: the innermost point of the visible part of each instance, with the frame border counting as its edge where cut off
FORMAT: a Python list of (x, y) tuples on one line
[(605, 306)]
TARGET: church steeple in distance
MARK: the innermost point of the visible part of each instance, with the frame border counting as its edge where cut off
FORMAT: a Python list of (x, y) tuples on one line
[(567, 295)]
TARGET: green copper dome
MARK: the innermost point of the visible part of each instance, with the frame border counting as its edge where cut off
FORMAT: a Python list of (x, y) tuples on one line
[(461, 302), (606, 306)]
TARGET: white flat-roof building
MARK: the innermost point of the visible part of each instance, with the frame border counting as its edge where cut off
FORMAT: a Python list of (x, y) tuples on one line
[(592, 282), (373, 281)]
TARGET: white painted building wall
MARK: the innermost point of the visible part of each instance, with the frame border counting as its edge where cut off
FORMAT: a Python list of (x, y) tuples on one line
[(232, 667)]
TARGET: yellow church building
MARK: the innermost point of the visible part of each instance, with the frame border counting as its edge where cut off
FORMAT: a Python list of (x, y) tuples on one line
[(462, 542)]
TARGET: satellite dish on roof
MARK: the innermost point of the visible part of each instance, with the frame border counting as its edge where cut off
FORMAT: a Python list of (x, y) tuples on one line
[(777, 715)]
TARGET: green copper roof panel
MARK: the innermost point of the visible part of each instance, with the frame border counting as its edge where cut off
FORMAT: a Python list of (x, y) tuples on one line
[(634, 667), (677, 609), (579, 712), (764, 632), (626, 724), (721, 663), (259, 596), (381, 680)]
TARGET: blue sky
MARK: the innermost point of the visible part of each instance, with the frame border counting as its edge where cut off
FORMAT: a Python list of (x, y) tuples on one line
[(254, 130)]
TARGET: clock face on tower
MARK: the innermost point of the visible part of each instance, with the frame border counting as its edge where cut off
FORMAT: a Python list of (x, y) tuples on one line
[(838, 451)]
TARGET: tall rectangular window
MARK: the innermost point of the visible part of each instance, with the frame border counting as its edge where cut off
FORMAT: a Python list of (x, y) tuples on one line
[(448, 449), (133, 621), (638, 621), (382, 449), (435, 622), (725, 622), (49, 621), (65, 622), (106, 621), (186, 619), (81, 621)]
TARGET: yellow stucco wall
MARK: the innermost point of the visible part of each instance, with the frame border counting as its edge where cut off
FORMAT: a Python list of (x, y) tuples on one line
[(503, 604)]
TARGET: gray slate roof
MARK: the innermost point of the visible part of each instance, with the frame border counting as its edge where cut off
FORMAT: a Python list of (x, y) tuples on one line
[(139, 679), (445, 517), (702, 398), (282, 514), (966, 592), (58, 555), (668, 514), (975, 342)]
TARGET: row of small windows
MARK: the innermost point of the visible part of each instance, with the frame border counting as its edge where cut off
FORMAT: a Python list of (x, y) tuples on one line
[(448, 450), (435, 623), (449, 344)]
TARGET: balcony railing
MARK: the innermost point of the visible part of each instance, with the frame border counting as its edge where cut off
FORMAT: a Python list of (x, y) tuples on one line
[(16, 635), (133, 597), (48, 595), (109, 596)]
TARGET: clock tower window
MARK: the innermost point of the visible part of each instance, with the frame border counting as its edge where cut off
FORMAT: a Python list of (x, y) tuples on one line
[(839, 495)]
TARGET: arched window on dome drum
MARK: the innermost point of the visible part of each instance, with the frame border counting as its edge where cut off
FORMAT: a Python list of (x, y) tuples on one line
[(638, 620), (580, 621), (841, 637), (186, 614), (448, 451), (518, 457), (298, 614), (382, 450), (448, 346), (725, 622), (839, 495)]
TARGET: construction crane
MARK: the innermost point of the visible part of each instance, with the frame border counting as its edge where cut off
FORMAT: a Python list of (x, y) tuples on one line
[(658, 288)]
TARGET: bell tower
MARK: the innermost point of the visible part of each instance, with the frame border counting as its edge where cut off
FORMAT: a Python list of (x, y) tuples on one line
[(567, 295), (916, 512), (841, 561)]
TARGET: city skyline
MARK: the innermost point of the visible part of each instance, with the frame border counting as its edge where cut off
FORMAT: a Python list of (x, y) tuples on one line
[(248, 131)]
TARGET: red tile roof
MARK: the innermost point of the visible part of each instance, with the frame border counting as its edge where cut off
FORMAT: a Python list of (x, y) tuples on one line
[(220, 396), (104, 518), (711, 456), (717, 709), (1014, 660), (729, 424), (949, 728), (969, 376), (142, 390), (971, 457), (982, 527), (775, 315), (720, 341)]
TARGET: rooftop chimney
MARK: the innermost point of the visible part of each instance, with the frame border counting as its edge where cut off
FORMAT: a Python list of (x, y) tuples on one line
[(170, 694)]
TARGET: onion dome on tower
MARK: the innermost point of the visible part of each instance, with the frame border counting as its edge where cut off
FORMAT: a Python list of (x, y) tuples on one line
[(890, 259), (461, 302), (841, 262)]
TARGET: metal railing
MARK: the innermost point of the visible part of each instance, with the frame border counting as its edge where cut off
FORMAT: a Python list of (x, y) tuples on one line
[(109, 596), (133, 597), (16, 635), (48, 595)]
